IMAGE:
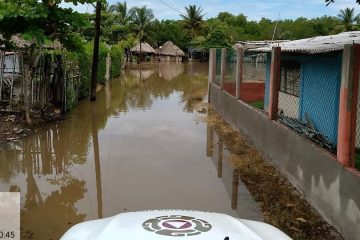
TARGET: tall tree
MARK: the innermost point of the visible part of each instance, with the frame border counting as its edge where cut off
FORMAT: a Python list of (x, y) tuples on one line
[(348, 18), (193, 19), (122, 12), (141, 18)]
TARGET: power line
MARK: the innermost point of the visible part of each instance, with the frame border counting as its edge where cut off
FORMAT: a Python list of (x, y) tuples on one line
[(171, 7)]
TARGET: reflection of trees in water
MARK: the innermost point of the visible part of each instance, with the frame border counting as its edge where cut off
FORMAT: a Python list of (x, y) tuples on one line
[(140, 89), (49, 216)]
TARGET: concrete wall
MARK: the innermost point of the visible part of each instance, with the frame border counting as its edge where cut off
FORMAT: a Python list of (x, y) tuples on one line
[(249, 91), (332, 189)]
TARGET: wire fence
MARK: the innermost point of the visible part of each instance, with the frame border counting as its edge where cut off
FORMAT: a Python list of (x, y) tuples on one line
[(218, 66), (230, 74), (309, 104)]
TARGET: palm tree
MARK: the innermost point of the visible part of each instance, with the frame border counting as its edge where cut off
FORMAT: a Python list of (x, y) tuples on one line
[(193, 19), (348, 18), (141, 18), (106, 8), (122, 12)]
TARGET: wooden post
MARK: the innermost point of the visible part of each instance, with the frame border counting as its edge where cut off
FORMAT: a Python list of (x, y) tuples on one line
[(223, 67), (348, 105), (1, 70), (239, 71), (274, 83), (108, 68), (212, 65)]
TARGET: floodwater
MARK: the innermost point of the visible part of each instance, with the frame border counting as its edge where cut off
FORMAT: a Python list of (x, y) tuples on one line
[(141, 146)]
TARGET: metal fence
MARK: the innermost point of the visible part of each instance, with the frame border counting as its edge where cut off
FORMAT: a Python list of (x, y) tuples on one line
[(218, 66), (309, 102), (230, 72)]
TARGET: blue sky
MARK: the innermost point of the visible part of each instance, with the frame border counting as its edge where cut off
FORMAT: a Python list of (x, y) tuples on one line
[(253, 9)]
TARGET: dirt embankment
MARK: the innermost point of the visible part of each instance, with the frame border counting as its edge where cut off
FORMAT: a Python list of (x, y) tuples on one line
[(281, 204)]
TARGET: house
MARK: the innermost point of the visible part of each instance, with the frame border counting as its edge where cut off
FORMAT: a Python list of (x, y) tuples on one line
[(198, 54), (311, 80), (147, 52), (169, 52)]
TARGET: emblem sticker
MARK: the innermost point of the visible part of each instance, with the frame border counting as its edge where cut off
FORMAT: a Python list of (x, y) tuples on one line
[(177, 226)]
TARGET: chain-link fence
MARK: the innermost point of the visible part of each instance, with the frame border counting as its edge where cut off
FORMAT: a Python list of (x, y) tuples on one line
[(230, 74), (309, 101), (218, 66), (253, 83)]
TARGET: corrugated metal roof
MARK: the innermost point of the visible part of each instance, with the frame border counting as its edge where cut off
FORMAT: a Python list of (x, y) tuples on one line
[(315, 45)]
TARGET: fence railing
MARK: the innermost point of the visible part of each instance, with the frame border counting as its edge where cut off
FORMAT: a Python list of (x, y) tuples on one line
[(243, 80), (303, 94)]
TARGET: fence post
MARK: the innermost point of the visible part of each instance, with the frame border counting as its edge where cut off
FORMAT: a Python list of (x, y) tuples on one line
[(223, 67), (239, 71), (212, 69), (212, 65), (350, 73), (274, 83)]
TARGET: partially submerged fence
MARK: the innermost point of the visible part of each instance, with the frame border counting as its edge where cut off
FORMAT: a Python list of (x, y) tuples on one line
[(305, 95)]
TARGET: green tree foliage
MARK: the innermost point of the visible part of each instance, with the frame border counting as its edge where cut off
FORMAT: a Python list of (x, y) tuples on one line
[(117, 58), (193, 19), (141, 20), (41, 20), (348, 18)]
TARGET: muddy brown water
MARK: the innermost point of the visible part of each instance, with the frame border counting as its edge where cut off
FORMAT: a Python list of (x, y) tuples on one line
[(141, 146)]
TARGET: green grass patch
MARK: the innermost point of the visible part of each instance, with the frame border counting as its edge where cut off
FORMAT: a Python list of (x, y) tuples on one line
[(357, 161), (258, 104)]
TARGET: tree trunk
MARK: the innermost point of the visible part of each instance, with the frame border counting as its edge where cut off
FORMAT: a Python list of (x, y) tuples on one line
[(95, 52)]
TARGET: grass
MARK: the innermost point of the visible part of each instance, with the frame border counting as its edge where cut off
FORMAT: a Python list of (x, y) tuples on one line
[(357, 161), (258, 104)]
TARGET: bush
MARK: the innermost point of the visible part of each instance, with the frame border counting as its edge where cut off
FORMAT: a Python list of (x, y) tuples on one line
[(83, 57), (117, 58)]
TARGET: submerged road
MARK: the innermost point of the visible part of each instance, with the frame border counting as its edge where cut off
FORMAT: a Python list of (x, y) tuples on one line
[(141, 146)]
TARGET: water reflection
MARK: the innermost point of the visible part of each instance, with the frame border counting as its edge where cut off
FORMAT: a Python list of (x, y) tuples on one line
[(241, 199), (138, 147)]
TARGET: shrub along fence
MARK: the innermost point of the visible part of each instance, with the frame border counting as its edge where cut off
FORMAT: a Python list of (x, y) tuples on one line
[(55, 77)]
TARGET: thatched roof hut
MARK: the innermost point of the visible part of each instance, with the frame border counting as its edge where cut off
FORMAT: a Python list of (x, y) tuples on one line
[(17, 41), (170, 49), (145, 48)]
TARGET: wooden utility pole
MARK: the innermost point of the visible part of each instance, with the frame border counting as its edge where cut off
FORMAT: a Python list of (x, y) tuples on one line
[(95, 52)]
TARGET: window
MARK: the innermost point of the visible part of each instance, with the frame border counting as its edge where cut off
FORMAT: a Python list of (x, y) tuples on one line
[(290, 78)]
